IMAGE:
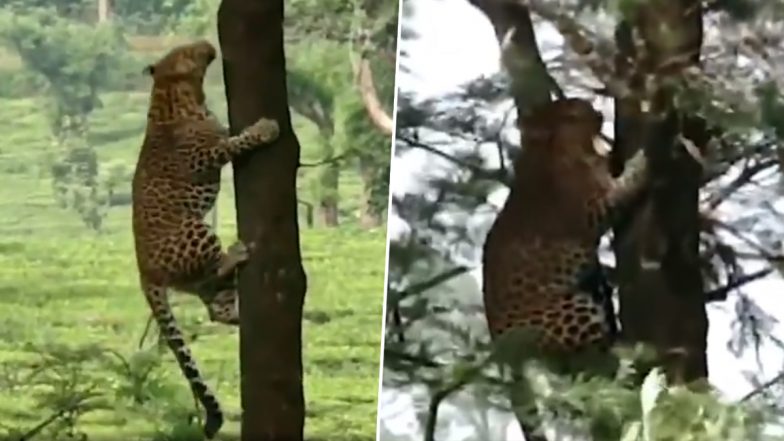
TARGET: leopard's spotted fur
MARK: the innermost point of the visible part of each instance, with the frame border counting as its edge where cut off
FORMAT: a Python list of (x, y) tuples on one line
[(541, 269), (175, 184)]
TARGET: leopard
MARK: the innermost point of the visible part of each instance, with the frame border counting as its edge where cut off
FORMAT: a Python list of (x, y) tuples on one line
[(175, 185), (541, 269), (540, 257)]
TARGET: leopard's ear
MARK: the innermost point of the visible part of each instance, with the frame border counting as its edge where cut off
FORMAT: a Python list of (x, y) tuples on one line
[(149, 70)]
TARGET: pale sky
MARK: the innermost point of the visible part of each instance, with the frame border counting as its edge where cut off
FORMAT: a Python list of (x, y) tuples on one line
[(456, 44)]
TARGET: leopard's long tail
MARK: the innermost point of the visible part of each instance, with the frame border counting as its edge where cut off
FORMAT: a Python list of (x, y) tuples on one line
[(162, 311)]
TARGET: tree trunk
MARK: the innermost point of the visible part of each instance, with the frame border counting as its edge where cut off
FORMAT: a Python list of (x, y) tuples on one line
[(538, 84), (368, 215), (660, 284), (329, 179), (328, 212), (373, 106), (103, 11), (273, 283)]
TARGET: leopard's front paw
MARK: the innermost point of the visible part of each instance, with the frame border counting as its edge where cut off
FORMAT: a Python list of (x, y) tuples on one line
[(264, 130)]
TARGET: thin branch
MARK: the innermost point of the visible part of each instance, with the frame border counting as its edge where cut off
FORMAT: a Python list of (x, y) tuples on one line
[(417, 360), (720, 294), (764, 252), (763, 387), (146, 330), (328, 161), (496, 175), (373, 107), (575, 35), (417, 288), (434, 281), (30, 434), (448, 389), (497, 139), (744, 178)]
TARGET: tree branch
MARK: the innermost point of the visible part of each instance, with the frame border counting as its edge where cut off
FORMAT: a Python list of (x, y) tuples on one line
[(494, 175), (763, 387), (720, 294), (367, 89)]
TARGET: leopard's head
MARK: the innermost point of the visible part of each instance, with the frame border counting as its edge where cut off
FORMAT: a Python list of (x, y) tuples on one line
[(565, 129), (188, 62)]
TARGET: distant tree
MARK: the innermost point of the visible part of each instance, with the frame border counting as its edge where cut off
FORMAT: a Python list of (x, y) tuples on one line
[(75, 61), (317, 81), (375, 68), (346, 51)]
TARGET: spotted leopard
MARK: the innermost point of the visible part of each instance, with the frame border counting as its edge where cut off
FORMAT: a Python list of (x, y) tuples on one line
[(540, 261), (176, 183)]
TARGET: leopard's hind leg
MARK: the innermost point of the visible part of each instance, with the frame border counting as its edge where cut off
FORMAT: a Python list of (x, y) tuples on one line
[(220, 293), (159, 303), (208, 271)]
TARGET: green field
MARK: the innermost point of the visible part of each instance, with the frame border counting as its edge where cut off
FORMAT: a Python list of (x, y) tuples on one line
[(73, 313)]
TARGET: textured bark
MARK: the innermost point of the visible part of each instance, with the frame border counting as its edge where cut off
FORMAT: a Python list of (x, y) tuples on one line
[(272, 285), (662, 299)]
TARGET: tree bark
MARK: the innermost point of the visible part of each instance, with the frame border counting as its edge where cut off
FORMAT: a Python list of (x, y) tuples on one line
[(272, 284), (662, 299)]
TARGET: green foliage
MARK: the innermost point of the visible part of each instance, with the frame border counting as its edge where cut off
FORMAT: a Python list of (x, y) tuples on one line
[(331, 36), (73, 332), (320, 19), (615, 396), (20, 83), (75, 61), (358, 134), (60, 285), (155, 17), (74, 58), (75, 9)]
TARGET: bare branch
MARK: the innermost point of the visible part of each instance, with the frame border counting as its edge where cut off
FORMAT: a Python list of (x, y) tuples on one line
[(496, 175), (720, 294), (367, 89), (744, 178), (763, 387)]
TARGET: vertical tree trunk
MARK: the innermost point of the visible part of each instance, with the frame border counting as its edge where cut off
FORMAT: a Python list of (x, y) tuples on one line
[(103, 11), (329, 180), (373, 106), (660, 284), (538, 84), (272, 285), (368, 216)]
